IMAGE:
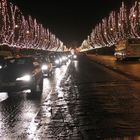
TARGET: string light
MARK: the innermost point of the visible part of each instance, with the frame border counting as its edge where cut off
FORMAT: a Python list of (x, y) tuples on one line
[(18, 31), (118, 25)]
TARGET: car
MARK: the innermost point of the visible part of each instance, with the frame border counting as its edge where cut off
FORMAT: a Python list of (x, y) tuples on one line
[(21, 73), (74, 57), (64, 59), (1, 62), (55, 60), (6, 54), (46, 66)]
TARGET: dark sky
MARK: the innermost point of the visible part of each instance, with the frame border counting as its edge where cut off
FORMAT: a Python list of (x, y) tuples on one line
[(70, 20)]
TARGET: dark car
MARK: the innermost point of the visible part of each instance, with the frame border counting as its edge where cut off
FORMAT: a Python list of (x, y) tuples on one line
[(56, 60), (2, 61), (46, 66), (21, 73)]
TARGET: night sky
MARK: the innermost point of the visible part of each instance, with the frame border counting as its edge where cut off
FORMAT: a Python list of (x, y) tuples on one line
[(70, 20)]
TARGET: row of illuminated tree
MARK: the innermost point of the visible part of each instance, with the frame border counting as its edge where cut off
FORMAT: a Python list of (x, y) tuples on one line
[(19, 31), (121, 24)]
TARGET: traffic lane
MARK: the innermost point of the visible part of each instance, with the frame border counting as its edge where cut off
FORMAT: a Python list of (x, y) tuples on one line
[(129, 67), (107, 106), (16, 113), (89, 71), (95, 103), (19, 109), (109, 110), (49, 108)]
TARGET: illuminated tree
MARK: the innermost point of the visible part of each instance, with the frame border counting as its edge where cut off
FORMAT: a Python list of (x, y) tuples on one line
[(20, 32), (118, 25)]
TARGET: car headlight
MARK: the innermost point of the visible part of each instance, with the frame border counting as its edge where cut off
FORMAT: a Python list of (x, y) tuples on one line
[(24, 78), (57, 61), (74, 56), (0, 67), (64, 58), (44, 67)]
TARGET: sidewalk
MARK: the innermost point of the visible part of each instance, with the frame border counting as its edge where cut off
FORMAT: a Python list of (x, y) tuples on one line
[(128, 68)]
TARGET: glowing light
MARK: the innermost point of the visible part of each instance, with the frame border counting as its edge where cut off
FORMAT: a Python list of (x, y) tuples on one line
[(27, 32), (24, 78), (16, 26), (20, 32), (119, 25), (134, 15), (3, 96)]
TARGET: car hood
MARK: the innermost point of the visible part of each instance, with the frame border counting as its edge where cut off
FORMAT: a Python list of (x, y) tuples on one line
[(12, 72)]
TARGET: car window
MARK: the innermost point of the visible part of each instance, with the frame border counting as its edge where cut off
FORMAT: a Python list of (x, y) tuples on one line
[(21, 61), (17, 61)]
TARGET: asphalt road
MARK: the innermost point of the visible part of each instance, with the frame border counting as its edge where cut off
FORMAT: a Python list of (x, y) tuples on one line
[(96, 103), (82, 101), (18, 109)]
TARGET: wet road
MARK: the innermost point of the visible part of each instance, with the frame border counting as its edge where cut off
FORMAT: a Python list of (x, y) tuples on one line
[(109, 103), (95, 104), (84, 102), (18, 110)]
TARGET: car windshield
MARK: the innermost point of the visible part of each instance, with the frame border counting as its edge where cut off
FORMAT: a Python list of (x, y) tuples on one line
[(19, 61)]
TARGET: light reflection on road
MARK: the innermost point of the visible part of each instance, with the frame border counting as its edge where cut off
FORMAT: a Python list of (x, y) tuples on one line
[(17, 111), (46, 112), (75, 63), (3, 96)]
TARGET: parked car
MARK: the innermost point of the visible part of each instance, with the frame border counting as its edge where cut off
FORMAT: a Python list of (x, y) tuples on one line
[(127, 48), (21, 73)]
